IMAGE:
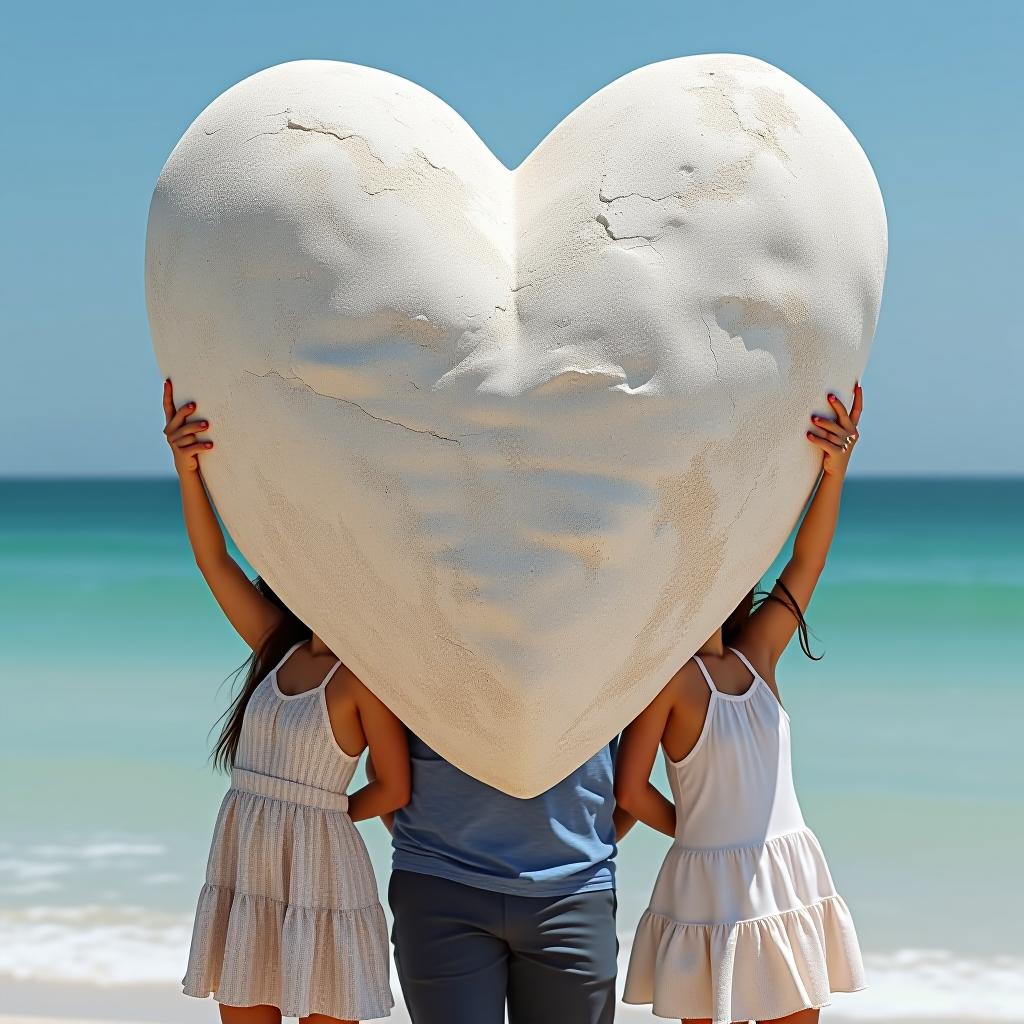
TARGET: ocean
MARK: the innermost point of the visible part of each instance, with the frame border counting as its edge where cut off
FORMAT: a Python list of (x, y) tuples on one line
[(907, 744)]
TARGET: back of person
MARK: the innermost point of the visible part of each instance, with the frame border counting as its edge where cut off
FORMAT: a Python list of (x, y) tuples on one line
[(559, 842), (288, 922), (284, 839), (498, 900), (744, 922), (735, 787)]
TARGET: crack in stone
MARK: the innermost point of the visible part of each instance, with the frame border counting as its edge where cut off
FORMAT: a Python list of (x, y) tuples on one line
[(628, 195), (298, 126), (320, 129), (259, 135), (455, 643), (648, 239), (718, 368), (743, 505), (426, 159), (348, 401), (645, 241), (766, 136)]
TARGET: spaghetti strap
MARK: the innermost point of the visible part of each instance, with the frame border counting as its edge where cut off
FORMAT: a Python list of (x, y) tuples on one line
[(753, 671), (707, 675), (330, 675), (285, 840), (291, 650)]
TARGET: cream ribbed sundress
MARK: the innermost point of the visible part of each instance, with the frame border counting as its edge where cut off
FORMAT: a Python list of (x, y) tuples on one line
[(744, 921), (289, 915)]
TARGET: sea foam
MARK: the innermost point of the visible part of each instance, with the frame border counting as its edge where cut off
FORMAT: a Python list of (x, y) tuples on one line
[(132, 945)]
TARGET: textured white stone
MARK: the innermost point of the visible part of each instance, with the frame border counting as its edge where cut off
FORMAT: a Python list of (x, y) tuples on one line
[(514, 442)]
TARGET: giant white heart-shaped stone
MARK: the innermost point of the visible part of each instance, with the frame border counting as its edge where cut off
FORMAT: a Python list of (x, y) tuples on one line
[(515, 442)]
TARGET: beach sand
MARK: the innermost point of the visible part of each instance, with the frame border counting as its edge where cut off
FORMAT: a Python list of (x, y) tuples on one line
[(32, 1003), (624, 1015)]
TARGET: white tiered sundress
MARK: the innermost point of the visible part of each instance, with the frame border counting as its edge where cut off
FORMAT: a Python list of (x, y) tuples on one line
[(289, 915), (744, 921)]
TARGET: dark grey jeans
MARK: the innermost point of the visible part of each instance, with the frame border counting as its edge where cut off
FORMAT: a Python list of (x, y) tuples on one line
[(462, 952)]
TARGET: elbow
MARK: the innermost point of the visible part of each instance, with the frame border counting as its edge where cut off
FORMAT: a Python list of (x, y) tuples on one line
[(399, 793), (404, 796), (626, 796)]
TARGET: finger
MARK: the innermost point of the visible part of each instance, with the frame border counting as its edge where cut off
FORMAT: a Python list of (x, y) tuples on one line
[(196, 449), (168, 400), (179, 418), (189, 429), (841, 414), (829, 427), (823, 443), (858, 403)]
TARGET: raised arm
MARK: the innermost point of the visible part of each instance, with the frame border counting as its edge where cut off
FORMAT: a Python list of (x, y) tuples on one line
[(387, 762), (772, 625), (252, 615), (634, 791)]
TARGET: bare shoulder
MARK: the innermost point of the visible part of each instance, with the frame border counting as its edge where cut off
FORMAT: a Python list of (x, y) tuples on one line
[(342, 697), (760, 659), (757, 652), (352, 688), (344, 688), (689, 689), (685, 695), (691, 699)]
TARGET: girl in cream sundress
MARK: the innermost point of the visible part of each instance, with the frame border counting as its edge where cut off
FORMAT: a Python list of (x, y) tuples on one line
[(744, 922), (289, 922)]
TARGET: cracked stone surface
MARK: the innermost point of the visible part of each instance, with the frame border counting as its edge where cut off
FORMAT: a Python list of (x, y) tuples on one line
[(514, 442)]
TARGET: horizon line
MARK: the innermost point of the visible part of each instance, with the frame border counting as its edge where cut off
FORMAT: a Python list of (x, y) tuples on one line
[(30, 478)]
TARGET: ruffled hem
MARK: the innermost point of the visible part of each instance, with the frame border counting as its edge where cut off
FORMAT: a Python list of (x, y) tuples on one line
[(758, 969), (249, 950), (742, 883)]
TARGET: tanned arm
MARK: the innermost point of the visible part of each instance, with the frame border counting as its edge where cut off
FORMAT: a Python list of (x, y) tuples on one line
[(635, 794), (252, 616), (388, 770), (771, 627)]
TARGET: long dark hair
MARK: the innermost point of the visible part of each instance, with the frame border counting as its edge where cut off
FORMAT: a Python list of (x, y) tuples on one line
[(733, 626), (288, 632)]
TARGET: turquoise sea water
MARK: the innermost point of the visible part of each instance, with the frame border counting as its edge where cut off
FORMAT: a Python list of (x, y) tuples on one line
[(907, 735)]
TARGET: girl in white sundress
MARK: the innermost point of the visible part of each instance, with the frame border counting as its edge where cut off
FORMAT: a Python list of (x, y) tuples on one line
[(744, 922), (289, 922)]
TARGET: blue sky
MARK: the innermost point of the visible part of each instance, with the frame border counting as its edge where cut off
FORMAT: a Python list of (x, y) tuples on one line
[(96, 95)]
